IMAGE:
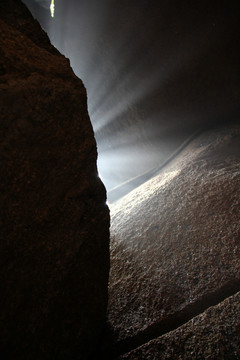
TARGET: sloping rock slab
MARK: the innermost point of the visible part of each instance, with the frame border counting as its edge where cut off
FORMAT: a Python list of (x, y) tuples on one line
[(54, 223), (175, 241), (212, 335)]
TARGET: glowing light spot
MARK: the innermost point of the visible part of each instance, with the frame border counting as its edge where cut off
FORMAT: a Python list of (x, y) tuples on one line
[(52, 8)]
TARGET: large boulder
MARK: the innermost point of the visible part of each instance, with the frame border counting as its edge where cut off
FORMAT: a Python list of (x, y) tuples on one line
[(54, 221), (175, 247), (212, 335)]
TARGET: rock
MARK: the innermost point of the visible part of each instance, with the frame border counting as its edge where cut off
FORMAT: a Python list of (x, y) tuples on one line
[(211, 335), (175, 247), (54, 222)]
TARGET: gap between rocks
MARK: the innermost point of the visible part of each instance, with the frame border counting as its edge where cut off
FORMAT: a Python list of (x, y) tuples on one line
[(175, 320)]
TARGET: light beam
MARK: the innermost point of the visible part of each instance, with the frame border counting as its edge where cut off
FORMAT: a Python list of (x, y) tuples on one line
[(153, 73), (52, 8)]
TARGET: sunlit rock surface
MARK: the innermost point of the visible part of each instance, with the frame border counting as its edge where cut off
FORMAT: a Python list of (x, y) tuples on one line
[(54, 223), (175, 246)]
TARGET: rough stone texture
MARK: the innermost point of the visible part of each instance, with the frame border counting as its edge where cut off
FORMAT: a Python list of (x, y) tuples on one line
[(54, 223), (211, 335), (175, 245)]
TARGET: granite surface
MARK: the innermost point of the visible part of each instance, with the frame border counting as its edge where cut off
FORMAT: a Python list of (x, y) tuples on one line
[(175, 246)]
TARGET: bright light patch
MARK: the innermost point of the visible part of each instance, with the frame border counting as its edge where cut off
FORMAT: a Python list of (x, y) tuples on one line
[(52, 8), (139, 196)]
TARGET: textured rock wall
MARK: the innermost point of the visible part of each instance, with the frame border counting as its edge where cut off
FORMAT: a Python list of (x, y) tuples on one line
[(175, 251), (213, 335), (54, 223)]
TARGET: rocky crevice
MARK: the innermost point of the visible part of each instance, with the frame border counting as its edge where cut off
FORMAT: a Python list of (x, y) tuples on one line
[(174, 321)]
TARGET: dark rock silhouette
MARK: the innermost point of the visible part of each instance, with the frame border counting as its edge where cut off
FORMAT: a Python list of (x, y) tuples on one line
[(54, 223), (175, 252)]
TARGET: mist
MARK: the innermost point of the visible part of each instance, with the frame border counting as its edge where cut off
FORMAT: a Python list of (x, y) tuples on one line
[(155, 73)]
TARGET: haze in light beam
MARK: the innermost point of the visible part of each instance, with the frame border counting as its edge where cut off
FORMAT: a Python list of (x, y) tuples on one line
[(153, 72)]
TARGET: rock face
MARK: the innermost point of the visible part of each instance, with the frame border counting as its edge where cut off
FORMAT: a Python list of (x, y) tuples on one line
[(54, 223), (211, 335), (175, 251)]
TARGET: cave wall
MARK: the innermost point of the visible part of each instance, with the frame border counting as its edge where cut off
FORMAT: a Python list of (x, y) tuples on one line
[(54, 222)]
